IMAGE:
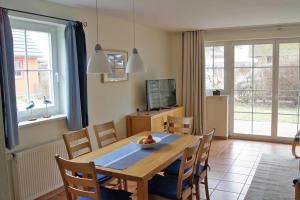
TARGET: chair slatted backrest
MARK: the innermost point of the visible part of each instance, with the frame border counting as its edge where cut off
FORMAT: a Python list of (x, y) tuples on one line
[(183, 125), (105, 133), (77, 143), (86, 186), (204, 149), (186, 171)]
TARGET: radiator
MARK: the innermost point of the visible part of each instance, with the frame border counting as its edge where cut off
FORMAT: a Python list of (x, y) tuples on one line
[(36, 171)]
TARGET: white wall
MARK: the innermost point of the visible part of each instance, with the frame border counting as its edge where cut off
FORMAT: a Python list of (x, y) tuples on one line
[(107, 101), (176, 56)]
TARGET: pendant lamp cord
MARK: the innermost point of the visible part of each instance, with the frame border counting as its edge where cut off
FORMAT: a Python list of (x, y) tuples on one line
[(97, 21), (133, 17)]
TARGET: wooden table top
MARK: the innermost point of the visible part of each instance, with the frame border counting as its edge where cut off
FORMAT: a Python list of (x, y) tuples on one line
[(145, 168)]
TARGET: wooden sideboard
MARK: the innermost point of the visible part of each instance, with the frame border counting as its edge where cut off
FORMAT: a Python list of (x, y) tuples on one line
[(152, 120)]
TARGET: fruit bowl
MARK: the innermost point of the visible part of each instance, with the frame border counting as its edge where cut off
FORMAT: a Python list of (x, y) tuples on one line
[(146, 142)]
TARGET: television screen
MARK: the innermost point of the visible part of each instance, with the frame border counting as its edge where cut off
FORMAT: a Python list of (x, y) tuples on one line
[(161, 93)]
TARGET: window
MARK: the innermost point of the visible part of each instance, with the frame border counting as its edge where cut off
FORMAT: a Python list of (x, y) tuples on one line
[(288, 121), (266, 88), (35, 67), (18, 68), (253, 67), (214, 67)]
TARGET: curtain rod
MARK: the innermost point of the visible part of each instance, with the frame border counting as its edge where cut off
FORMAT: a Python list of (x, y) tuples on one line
[(41, 15)]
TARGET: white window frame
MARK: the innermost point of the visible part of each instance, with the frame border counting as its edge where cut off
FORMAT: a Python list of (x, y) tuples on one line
[(226, 68), (229, 60), (25, 24), (252, 43), (213, 66)]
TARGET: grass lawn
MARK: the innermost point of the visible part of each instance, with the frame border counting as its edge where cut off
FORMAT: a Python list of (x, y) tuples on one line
[(283, 111)]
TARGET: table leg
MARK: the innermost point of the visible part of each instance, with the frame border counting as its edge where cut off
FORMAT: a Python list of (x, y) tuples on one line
[(142, 190)]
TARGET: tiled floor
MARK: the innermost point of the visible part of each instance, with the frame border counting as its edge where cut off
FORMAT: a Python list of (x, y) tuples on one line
[(233, 165)]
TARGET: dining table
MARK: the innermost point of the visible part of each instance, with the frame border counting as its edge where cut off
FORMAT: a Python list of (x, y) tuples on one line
[(145, 163)]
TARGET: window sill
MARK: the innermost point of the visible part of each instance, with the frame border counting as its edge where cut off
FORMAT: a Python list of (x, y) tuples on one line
[(41, 120)]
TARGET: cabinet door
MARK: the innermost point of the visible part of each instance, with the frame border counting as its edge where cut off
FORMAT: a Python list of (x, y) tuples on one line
[(138, 125), (157, 124), (178, 112)]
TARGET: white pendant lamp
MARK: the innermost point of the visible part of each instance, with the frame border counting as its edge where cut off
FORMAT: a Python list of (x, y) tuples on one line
[(98, 63), (135, 62)]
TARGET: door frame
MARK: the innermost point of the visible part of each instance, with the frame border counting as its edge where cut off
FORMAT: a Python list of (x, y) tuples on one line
[(275, 75)]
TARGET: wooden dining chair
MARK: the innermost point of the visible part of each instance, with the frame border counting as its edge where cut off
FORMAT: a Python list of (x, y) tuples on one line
[(176, 187), (296, 183), (183, 125), (202, 164), (296, 142), (78, 143), (106, 135), (87, 186)]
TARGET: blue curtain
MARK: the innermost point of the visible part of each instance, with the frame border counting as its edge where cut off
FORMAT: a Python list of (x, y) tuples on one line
[(7, 81), (77, 105)]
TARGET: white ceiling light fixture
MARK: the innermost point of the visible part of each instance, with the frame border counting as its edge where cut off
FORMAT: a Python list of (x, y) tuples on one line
[(135, 62), (98, 63)]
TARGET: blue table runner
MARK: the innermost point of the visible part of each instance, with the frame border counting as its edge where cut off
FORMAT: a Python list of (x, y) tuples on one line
[(129, 154)]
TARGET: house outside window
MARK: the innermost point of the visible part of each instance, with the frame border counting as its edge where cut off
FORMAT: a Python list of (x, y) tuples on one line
[(36, 67)]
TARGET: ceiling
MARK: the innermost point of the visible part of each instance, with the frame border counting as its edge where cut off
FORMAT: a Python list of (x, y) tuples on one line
[(177, 15)]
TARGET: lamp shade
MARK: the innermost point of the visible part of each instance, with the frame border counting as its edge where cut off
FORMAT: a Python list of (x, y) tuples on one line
[(135, 63), (98, 63)]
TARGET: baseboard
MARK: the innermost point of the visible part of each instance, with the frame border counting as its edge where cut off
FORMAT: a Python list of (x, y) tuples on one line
[(217, 137), (51, 194)]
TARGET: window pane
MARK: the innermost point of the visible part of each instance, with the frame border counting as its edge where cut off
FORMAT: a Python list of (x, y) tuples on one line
[(288, 102), (289, 54), (243, 56), (19, 51), (262, 79), (21, 91), (40, 85), (209, 56), (219, 56), (262, 102), (262, 124), (38, 50), (209, 79), (243, 79), (219, 79), (287, 125), (288, 78), (242, 123), (263, 55), (243, 101)]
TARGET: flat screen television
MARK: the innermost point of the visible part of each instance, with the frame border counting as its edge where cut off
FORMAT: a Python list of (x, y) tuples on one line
[(161, 93)]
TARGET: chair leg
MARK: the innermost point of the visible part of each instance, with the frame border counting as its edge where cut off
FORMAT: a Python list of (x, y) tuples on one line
[(197, 187), (119, 184), (294, 149), (297, 191), (125, 184), (206, 187)]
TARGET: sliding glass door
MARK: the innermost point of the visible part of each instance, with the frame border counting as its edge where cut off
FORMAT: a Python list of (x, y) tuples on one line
[(288, 89), (266, 88), (253, 72)]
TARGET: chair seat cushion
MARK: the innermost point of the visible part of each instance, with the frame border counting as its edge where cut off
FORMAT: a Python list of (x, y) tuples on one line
[(296, 180), (173, 169), (297, 138), (165, 186), (110, 194), (101, 178)]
